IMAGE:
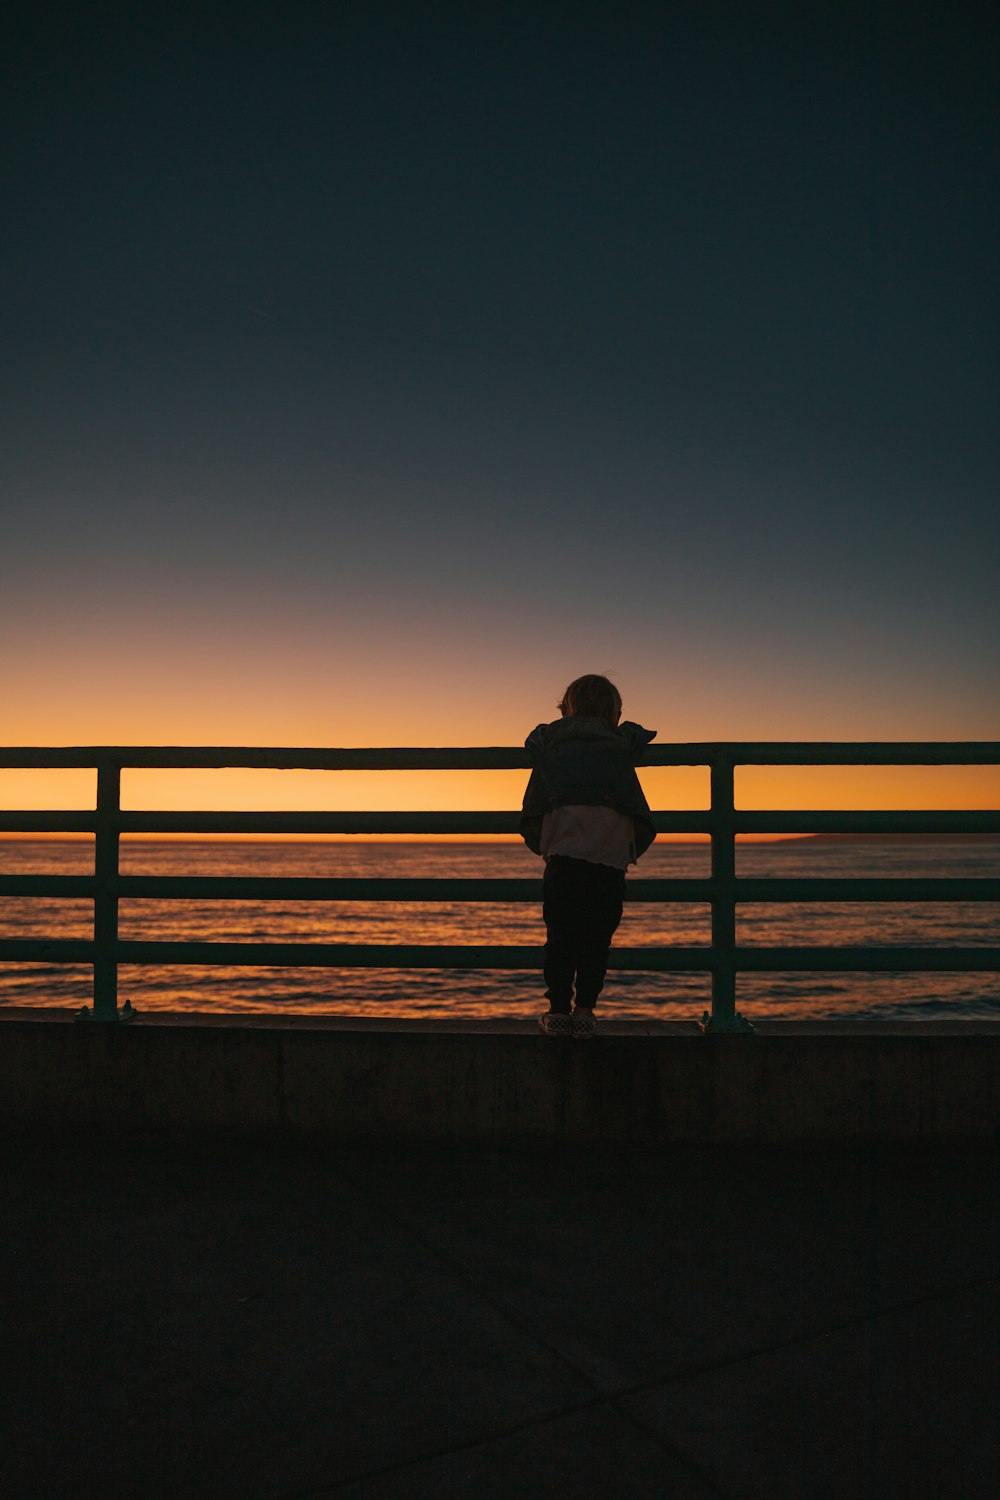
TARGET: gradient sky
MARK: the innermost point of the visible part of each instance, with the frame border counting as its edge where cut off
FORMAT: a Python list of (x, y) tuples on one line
[(372, 370)]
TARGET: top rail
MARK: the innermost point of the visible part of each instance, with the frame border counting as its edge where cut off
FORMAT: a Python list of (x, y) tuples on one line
[(487, 757)]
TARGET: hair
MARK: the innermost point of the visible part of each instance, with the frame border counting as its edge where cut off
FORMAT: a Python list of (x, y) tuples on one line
[(591, 697)]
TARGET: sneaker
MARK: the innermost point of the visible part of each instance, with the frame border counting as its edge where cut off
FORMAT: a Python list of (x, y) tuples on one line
[(555, 1025), (583, 1024)]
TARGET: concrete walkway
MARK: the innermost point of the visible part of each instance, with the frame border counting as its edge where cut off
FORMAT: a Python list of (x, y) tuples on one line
[(269, 1323)]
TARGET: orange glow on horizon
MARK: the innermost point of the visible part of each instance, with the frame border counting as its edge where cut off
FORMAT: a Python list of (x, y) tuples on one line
[(677, 788)]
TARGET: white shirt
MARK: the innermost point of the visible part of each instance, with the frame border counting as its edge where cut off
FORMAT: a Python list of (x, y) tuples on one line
[(601, 835)]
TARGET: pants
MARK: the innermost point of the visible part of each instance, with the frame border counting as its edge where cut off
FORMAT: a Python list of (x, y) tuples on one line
[(582, 906)]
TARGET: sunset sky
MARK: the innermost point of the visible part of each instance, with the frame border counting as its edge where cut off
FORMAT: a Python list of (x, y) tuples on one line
[(372, 370)]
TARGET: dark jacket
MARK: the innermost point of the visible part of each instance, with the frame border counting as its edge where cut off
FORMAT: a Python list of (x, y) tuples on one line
[(586, 762)]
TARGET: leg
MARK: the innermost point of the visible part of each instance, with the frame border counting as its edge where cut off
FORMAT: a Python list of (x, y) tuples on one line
[(600, 909), (559, 911)]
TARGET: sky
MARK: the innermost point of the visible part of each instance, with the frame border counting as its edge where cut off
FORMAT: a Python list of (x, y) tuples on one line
[(371, 370)]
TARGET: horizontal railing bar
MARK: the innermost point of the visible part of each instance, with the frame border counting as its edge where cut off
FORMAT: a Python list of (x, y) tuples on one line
[(34, 821), (319, 888), (50, 950), (390, 955), (459, 956), (318, 822), (29, 820), (961, 820), (846, 753), (462, 956), (461, 889), (47, 885), (336, 955), (868, 960), (861, 889), (454, 758), (361, 822), (986, 821), (208, 757)]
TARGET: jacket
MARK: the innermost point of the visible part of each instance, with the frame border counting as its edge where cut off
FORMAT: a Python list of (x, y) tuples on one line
[(586, 762)]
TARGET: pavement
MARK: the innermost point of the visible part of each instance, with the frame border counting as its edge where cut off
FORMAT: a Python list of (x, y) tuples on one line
[(275, 1322)]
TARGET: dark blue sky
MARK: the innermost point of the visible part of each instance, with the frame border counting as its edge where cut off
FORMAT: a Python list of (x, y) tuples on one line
[(373, 369)]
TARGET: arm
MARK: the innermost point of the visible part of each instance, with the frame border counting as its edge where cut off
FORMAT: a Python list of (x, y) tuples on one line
[(636, 738)]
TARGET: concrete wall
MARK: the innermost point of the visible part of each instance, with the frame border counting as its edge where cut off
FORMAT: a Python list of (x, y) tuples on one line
[(502, 1082)]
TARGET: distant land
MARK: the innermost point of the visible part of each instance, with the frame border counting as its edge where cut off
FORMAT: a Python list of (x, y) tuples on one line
[(890, 838)]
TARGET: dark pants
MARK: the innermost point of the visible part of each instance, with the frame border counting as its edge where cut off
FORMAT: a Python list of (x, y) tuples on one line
[(582, 906)]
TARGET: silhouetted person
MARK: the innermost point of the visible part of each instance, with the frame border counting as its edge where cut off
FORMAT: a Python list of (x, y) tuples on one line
[(585, 813)]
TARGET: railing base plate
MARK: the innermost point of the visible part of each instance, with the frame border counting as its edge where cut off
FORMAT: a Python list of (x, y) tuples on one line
[(736, 1024), (124, 1013)]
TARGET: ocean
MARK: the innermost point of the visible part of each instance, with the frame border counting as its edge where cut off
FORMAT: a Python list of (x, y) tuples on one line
[(483, 993)]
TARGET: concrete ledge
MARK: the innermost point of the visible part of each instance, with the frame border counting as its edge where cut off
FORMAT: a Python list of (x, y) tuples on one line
[(501, 1081)]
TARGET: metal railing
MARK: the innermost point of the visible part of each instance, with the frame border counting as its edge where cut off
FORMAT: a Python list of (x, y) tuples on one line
[(722, 890)]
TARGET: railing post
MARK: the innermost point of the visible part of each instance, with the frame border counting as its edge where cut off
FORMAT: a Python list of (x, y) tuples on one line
[(106, 895), (724, 1016)]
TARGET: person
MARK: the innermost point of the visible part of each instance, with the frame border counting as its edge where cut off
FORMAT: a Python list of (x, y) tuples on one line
[(585, 813)]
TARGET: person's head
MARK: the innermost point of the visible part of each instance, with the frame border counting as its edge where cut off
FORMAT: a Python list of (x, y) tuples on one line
[(592, 697)]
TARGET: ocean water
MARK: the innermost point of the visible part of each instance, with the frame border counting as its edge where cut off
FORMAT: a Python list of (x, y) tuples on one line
[(444, 993)]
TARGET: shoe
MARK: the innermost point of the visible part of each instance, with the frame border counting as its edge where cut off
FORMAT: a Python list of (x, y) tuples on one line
[(583, 1024), (555, 1025)]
